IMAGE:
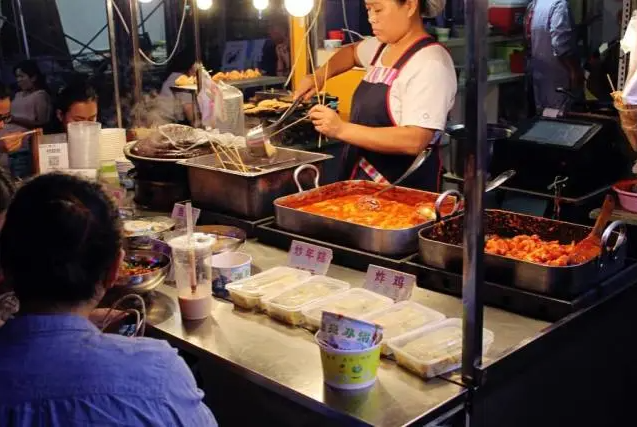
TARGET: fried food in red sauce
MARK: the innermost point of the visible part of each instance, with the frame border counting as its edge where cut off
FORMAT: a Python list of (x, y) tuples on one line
[(392, 214), (532, 249)]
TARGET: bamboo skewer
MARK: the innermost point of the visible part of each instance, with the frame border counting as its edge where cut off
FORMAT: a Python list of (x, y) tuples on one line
[(290, 125), (610, 81), (19, 135)]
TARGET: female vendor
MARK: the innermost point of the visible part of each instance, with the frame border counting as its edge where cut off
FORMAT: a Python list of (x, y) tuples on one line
[(401, 106)]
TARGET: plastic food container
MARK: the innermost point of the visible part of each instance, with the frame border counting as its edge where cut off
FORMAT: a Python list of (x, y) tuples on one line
[(627, 197), (402, 318), (349, 369), (354, 303), (287, 305), (433, 350), (507, 15), (248, 293)]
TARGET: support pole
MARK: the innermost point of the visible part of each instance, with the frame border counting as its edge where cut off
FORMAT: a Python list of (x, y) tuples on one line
[(475, 178), (199, 66), (114, 62), (25, 39), (137, 63)]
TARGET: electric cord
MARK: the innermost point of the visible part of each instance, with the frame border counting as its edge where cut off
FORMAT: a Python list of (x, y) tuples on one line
[(140, 315)]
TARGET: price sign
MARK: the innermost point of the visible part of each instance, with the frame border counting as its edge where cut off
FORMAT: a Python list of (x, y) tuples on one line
[(391, 283), (179, 215), (308, 257)]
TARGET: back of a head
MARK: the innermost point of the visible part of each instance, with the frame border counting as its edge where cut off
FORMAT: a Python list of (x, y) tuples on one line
[(5, 92), (32, 69), (61, 238)]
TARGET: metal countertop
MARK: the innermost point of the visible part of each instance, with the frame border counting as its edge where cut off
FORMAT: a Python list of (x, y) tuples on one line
[(286, 360)]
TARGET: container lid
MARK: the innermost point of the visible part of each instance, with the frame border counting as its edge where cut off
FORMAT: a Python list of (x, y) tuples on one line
[(352, 303), (435, 343), (403, 318), (269, 282), (316, 288)]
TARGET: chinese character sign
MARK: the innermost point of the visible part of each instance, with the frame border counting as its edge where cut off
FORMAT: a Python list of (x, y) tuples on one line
[(391, 283), (308, 257)]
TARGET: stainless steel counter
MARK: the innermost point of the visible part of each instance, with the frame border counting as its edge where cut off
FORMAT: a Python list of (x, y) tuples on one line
[(286, 360)]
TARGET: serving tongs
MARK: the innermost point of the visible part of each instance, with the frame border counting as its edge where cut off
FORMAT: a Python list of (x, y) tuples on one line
[(258, 138)]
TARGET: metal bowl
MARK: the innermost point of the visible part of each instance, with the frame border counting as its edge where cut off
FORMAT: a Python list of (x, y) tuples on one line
[(143, 283), (229, 238)]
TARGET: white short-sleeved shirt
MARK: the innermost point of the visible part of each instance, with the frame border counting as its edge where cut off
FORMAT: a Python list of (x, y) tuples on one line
[(425, 89)]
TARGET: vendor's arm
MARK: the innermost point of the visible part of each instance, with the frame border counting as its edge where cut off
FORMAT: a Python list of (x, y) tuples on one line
[(342, 61), (564, 42), (390, 140)]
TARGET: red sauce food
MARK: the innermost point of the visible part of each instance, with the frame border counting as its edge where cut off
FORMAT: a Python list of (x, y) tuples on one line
[(531, 249)]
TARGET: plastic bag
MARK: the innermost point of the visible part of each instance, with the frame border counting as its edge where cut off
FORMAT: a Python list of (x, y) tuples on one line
[(221, 106)]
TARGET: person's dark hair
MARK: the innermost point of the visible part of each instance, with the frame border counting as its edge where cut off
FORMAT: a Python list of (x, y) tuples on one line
[(7, 187), (61, 236), (182, 62), (426, 7), (5, 92), (31, 69), (79, 89)]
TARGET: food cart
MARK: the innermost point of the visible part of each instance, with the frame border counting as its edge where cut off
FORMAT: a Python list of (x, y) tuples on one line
[(549, 343)]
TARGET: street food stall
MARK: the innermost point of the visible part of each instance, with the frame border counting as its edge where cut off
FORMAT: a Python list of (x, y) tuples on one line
[(480, 316)]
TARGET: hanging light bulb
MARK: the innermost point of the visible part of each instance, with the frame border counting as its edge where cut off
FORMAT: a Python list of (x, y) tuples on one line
[(299, 8), (204, 4), (261, 4), (145, 1)]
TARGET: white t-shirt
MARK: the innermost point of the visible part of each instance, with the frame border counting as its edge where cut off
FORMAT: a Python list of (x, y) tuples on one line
[(424, 91), (173, 102)]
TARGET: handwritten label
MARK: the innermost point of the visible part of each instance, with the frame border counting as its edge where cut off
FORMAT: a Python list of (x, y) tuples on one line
[(391, 283), (308, 257), (179, 215)]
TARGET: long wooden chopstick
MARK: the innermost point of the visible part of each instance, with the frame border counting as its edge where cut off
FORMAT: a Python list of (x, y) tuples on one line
[(19, 135)]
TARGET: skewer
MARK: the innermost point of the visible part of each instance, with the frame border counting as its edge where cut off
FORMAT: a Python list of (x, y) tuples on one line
[(327, 73), (19, 135), (610, 81), (214, 147), (236, 150), (290, 125), (316, 85), (236, 156)]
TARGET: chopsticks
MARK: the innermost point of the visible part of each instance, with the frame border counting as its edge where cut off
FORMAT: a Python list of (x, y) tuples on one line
[(19, 135)]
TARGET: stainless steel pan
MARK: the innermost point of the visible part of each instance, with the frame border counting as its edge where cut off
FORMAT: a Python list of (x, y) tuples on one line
[(441, 247)]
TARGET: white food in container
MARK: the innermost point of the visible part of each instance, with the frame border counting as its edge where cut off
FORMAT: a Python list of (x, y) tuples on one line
[(353, 303), (287, 306), (248, 293), (401, 319), (435, 349)]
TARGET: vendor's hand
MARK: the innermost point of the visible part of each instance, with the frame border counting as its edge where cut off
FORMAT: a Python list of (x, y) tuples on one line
[(307, 88), (326, 121), (11, 143)]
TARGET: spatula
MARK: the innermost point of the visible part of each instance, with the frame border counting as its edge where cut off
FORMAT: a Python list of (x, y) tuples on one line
[(591, 246)]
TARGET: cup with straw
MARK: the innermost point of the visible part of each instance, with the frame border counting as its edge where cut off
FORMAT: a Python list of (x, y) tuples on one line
[(193, 275)]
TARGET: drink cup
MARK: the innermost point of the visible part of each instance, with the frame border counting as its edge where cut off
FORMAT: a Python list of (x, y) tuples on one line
[(193, 274)]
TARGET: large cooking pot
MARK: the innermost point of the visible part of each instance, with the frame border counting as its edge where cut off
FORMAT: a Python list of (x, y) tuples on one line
[(457, 148)]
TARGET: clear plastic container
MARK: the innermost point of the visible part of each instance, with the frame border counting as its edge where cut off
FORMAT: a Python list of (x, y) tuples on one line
[(287, 305), (435, 349), (249, 292), (402, 318), (354, 303)]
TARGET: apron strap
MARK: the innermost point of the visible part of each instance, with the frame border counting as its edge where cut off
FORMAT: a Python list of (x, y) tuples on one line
[(380, 50)]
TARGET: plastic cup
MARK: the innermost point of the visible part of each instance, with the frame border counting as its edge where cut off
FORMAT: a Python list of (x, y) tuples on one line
[(193, 275), (84, 145), (227, 268), (349, 369)]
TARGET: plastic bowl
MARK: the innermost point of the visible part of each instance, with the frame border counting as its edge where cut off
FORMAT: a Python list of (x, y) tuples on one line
[(627, 198)]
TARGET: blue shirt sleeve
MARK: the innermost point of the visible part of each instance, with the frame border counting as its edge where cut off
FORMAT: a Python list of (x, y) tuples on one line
[(562, 29), (185, 404)]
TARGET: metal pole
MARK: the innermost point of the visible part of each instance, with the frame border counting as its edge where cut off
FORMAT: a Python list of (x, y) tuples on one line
[(25, 40), (199, 66), (475, 178), (137, 64), (114, 63)]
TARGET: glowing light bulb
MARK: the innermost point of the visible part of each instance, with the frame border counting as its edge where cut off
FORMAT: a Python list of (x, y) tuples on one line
[(299, 8), (204, 4), (261, 4), (145, 1)]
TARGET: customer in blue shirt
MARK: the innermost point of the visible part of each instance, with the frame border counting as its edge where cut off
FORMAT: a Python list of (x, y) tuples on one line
[(61, 251), (554, 61)]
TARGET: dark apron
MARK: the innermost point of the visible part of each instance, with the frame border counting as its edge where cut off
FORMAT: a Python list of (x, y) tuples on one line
[(370, 107)]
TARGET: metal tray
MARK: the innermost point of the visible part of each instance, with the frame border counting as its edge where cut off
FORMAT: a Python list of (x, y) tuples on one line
[(441, 247), (379, 241), (246, 194)]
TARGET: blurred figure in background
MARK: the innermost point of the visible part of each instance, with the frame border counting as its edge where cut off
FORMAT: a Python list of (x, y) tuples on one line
[(179, 107), (554, 60), (31, 108), (76, 102), (276, 51)]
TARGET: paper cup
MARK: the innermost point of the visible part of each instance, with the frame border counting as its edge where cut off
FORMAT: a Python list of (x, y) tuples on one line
[(349, 369), (227, 268)]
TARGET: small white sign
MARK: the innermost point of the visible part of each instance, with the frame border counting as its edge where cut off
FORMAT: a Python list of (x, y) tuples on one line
[(551, 113), (53, 157), (308, 257), (179, 215), (390, 283)]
